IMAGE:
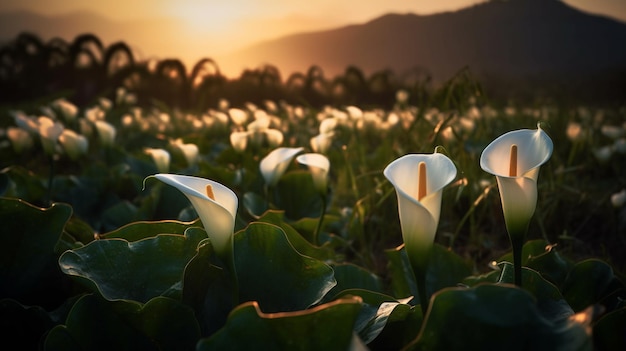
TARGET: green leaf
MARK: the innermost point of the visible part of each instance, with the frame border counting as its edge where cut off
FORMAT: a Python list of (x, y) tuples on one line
[(119, 214), (592, 281), (301, 244), (493, 317), (550, 302), (24, 184), (145, 229), (325, 327), (208, 288), (255, 204), (28, 259), (139, 270), (273, 273), (296, 194), (445, 269), (79, 230), (307, 226), (608, 331), (383, 321), (97, 324), (351, 276), (543, 258)]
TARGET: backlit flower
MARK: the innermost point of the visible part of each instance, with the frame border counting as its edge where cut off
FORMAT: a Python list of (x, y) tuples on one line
[(274, 165), (160, 157), (318, 165), (419, 180), (215, 204), (239, 141), (514, 158), (74, 145)]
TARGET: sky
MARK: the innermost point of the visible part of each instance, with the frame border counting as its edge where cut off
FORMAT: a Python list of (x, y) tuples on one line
[(216, 13)]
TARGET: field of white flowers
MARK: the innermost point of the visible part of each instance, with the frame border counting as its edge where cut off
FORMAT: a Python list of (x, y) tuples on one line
[(282, 226)]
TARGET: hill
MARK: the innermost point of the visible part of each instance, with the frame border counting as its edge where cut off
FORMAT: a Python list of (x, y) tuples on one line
[(516, 40)]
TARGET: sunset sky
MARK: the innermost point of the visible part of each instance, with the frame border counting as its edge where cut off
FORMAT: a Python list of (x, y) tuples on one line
[(220, 12)]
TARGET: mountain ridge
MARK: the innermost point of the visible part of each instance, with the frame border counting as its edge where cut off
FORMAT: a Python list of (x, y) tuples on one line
[(510, 38)]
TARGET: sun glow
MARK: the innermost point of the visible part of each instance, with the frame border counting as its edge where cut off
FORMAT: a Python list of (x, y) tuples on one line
[(207, 17)]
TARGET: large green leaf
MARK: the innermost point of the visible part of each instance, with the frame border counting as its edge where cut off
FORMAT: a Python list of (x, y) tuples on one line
[(326, 327), (395, 324), (138, 270), (496, 317), (208, 288), (592, 281), (550, 303), (145, 229), (24, 184), (273, 273), (445, 269), (383, 321), (296, 194), (255, 204), (28, 261), (301, 244), (351, 276), (610, 331), (545, 259), (97, 324)]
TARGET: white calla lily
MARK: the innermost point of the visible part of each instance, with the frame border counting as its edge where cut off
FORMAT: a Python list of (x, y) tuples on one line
[(514, 158), (215, 204), (239, 141), (419, 180), (188, 150), (318, 165), (517, 172), (419, 210), (106, 131), (74, 144), (49, 132), (160, 157), (274, 165)]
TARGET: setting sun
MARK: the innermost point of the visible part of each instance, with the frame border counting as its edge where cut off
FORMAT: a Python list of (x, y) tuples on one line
[(206, 17)]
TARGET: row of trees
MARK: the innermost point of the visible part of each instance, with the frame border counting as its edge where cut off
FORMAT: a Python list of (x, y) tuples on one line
[(85, 68)]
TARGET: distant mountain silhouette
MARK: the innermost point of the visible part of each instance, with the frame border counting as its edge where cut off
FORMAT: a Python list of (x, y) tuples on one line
[(504, 39)]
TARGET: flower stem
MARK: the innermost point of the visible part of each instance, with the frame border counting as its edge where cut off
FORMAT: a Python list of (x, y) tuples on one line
[(420, 279), (50, 181), (318, 228), (517, 242)]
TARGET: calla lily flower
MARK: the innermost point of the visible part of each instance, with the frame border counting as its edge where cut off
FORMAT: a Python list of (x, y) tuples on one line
[(514, 158), (419, 180), (49, 131), (419, 197), (107, 133), (20, 139), (75, 145), (188, 150), (517, 172), (239, 141), (160, 157), (274, 165), (215, 204), (318, 165)]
